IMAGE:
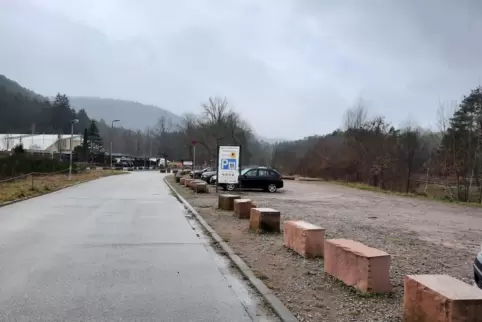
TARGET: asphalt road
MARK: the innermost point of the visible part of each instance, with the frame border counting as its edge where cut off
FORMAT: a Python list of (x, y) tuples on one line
[(115, 249)]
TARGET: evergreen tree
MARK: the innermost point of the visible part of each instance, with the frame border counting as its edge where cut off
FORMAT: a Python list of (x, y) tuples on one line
[(84, 120), (96, 145), (85, 145), (62, 115)]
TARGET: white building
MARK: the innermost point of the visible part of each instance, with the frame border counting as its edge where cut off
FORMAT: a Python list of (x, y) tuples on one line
[(50, 143)]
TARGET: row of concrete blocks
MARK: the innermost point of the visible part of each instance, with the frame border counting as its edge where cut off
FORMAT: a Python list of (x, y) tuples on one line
[(198, 186), (434, 298)]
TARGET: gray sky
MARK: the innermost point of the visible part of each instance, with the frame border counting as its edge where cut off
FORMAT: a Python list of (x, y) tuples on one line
[(290, 67)]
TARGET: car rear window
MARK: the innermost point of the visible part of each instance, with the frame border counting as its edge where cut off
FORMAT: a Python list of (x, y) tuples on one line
[(274, 173)]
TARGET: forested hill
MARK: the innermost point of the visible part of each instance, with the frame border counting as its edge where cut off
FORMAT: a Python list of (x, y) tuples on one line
[(22, 110), (133, 115), (14, 87)]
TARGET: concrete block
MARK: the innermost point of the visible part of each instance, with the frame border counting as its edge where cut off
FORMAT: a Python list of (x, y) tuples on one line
[(358, 265), (201, 187), (193, 183), (440, 298), (187, 182), (182, 181), (242, 208), (304, 238), (265, 220), (226, 201)]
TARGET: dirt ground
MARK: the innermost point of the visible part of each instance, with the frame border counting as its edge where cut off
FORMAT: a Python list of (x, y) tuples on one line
[(423, 237)]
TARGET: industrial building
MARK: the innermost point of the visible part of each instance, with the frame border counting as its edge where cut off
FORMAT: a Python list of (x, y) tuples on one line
[(44, 143)]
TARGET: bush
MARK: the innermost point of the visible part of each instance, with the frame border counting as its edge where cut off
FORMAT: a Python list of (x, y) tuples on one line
[(18, 164)]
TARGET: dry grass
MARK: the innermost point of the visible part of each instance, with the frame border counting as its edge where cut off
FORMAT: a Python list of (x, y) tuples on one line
[(40, 184)]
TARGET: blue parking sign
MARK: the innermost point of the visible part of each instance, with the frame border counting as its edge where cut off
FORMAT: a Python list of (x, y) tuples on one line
[(229, 164)]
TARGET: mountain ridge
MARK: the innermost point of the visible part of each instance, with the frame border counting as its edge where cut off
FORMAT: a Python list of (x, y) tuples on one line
[(133, 115)]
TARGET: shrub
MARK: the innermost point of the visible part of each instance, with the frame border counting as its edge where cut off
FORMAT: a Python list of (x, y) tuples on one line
[(18, 164)]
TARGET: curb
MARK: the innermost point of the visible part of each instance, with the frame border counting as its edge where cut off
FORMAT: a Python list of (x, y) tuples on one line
[(280, 309)]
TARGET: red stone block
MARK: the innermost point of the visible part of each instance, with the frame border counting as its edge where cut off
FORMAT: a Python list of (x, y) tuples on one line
[(226, 202), (187, 182), (194, 182), (357, 265), (304, 238), (182, 180), (265, 220), (201, 187), (242, 208), (440, 298)]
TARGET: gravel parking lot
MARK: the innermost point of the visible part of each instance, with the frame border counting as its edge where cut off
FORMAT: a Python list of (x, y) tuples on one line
[(423, 237)]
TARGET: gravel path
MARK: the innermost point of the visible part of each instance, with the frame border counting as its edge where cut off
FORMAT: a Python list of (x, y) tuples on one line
[(423, 237)]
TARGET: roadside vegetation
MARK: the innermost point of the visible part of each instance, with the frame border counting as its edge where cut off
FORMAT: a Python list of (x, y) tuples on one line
[(445, 163), (40, 183)]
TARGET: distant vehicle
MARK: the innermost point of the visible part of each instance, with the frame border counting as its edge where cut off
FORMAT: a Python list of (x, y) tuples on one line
[(197, 173), (266, 179), (206, 176), (478, 270), (124, 165)]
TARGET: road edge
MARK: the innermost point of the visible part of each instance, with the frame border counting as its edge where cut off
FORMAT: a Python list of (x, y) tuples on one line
[(279, 308)]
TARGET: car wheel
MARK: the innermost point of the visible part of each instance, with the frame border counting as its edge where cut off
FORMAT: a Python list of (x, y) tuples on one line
[(230, 187), (272, 188)]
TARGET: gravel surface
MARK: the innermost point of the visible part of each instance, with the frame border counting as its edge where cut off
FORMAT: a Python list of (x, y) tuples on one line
[(423, 237)]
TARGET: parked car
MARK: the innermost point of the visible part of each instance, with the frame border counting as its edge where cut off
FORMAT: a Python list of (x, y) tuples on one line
[(206, 176), (478, 270), (197, 173), (266, 179)]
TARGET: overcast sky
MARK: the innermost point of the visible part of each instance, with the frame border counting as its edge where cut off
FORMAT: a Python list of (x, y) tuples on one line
[(290, 67)]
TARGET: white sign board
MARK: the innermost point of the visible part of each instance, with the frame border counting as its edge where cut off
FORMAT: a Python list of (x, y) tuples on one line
[(228, 170), (187, 163)]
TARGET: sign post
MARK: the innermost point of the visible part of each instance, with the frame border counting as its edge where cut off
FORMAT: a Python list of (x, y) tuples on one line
[(228, 164), (193, 157)]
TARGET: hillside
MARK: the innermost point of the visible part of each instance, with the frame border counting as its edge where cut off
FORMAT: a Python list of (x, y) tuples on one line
[(132, 115), (20, 108), (13, 87)]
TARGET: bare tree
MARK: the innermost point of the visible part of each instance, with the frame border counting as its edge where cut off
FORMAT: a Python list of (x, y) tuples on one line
[(356, 116)]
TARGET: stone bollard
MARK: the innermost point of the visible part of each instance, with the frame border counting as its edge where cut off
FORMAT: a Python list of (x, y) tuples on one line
[(365, 268), (182, 181), (187, 182), (440, 298), (304, 238), (193, 183), (226, 202), (265, 220), (201, 187), (242, 208)]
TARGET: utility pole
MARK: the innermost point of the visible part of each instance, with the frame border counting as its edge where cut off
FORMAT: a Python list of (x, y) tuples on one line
[(33, 133), (112, 139), (150, 150), (74, 121), (193, 155)]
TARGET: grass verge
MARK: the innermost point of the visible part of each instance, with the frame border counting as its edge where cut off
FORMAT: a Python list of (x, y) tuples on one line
[(41, 184)]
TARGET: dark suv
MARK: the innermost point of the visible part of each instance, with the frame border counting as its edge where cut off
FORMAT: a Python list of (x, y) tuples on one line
[(478, 270), (266, 179)]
